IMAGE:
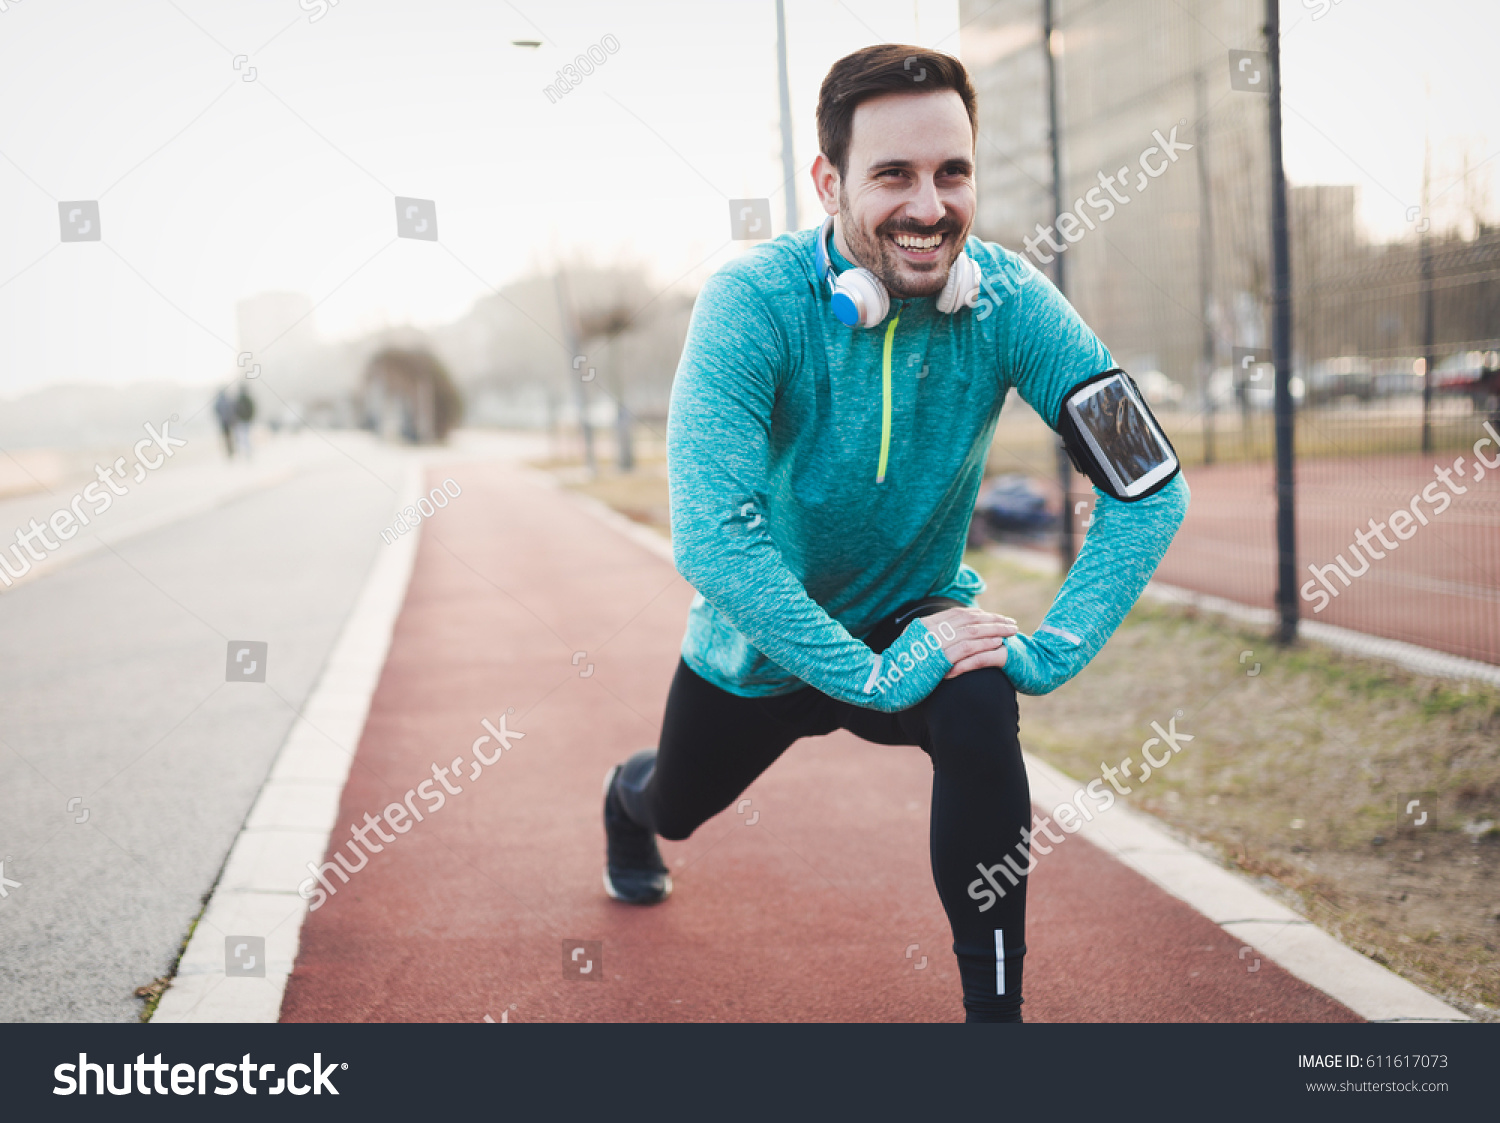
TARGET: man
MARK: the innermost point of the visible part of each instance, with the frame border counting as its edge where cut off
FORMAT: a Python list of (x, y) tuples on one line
[(224, 411), (822, 480), (244, 413)]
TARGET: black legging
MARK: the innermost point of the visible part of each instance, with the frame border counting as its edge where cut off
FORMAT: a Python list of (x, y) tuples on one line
[(714, 744)]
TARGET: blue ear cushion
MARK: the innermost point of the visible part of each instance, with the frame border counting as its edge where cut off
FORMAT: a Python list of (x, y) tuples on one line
[(844, 309)]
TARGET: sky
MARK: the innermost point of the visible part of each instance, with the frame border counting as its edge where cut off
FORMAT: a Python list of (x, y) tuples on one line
[(236, 147)]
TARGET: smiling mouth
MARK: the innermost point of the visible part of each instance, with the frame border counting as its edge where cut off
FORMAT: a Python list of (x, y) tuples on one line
[(919, 247)]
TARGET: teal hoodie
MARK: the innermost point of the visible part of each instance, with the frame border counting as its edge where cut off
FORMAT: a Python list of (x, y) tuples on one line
[(822, 476)]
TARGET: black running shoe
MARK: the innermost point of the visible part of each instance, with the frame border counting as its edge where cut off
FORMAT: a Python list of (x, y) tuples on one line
[(633, 869)]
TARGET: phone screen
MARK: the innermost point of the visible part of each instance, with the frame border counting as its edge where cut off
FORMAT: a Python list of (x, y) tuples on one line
[(1121, 431)]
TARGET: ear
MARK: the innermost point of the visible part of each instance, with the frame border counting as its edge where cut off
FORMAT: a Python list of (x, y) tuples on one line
[(825, 179)]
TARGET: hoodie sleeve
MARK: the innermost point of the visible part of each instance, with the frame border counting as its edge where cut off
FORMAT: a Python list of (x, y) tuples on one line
[(1050, 350), (718, 440)]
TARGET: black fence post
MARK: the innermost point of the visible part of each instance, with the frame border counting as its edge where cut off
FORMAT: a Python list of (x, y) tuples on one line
[(1066, 545), (1281, 347)]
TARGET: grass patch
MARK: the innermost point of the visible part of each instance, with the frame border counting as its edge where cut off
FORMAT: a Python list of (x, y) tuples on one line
[(157, 987), (1297, 773), (640, 495)]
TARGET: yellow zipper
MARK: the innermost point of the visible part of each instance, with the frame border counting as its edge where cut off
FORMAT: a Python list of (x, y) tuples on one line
[(885, 403)]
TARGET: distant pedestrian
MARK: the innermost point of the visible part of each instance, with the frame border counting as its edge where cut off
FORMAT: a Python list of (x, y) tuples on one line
[(224, 410), (244, 412)]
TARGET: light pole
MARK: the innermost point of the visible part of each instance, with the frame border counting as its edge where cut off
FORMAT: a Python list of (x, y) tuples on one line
[(788, 162)]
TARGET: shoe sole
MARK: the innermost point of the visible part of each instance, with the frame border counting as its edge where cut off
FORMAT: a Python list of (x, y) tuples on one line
[(615, 894), (609, 887)]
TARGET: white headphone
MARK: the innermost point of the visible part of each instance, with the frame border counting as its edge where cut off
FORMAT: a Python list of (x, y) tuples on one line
[(860, 300)]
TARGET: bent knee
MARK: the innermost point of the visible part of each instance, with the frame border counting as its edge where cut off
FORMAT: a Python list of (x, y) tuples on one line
[(984, 696), (973, 722)]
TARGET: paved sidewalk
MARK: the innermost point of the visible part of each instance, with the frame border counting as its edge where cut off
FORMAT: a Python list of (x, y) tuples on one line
[(811, 902), (128, 759)]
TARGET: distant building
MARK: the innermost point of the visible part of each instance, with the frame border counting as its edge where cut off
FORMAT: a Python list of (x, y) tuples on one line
[(1128, 70), (1179, 275), (278, 344), (281, 318)]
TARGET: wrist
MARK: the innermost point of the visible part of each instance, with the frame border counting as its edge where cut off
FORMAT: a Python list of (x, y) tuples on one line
[(1022, 666), (909, 670)]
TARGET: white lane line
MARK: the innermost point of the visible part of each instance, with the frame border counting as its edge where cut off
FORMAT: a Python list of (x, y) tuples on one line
[(1274, 931), (295, 812)]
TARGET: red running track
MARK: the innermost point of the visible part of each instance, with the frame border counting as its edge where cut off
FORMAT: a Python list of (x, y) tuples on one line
[(1440, 588), (805, 914)]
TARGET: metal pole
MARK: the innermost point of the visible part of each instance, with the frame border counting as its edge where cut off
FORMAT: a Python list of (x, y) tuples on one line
[(580, 388), (1205, 265), (788, 160), (1429, 317), (1066, 545), (624, 426), (1281, 348)]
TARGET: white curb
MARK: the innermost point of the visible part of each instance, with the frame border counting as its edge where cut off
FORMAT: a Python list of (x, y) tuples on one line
[(639, 533), (295, 812)]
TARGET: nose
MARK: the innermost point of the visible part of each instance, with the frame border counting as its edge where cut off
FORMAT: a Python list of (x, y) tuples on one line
[(926, 206)]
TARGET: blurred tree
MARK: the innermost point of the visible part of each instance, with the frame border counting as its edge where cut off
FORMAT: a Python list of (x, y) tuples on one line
[(410, 396)]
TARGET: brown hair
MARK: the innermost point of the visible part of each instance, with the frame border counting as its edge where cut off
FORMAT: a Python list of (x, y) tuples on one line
[(888, 68)]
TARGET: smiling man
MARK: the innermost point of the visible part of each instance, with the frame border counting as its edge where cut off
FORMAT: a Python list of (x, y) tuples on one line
[(830, 422)]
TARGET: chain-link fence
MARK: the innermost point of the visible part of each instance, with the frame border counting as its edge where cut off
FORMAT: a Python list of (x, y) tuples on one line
[(1164, 231)]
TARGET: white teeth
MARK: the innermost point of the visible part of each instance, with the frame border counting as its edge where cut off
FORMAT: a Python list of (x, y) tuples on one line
[(907, 241)]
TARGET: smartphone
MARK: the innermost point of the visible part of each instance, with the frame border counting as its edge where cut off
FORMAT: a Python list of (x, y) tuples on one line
[(1125, 439)]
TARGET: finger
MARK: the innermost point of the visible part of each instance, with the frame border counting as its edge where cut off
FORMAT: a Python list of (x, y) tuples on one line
[(968, 645), (996, 627), (967, 649), (955, 615), (980, 612), (995, 657)]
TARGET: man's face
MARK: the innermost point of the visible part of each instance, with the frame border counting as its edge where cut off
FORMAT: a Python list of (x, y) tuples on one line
[(907, 201)]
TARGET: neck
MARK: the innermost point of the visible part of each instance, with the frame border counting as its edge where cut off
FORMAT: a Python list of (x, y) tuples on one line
[(842, 246)]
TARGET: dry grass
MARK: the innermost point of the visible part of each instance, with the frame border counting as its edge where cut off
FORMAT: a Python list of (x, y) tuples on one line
[(1295, 774), (640, 495)]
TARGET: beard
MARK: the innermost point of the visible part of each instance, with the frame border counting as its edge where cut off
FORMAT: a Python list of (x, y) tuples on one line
[(903, 279)]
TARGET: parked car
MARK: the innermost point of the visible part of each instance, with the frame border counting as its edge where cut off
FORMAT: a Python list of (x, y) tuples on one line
[(1346, 377), (1472, 373), (1011, 504), (1160, 390)]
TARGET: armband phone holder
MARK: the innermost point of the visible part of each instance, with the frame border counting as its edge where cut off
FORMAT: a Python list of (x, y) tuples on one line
[(1113, 438)]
